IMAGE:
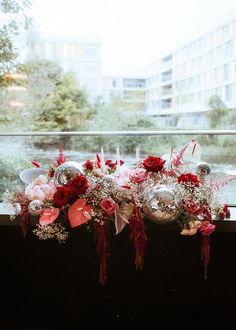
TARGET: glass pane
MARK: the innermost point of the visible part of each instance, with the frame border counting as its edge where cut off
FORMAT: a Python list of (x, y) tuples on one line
[(17, 153)]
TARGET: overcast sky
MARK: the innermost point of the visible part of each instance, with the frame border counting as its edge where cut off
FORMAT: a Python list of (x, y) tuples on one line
[(132, 32)]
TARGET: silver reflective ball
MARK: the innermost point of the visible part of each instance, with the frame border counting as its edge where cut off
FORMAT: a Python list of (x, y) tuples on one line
[(67, 171), (160, 205), (36, 207), (202, 168)]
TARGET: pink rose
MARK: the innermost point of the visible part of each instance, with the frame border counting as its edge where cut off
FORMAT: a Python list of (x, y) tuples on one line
[(34, 192), (207, 228), (138, 175), (40, 180), (49, 190), (108, 205)]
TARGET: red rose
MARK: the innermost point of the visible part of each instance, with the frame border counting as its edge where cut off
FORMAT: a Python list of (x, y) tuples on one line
[(88, 165), (108, 205), (153, 164), (61, 196), (78, 185), (189, 180)]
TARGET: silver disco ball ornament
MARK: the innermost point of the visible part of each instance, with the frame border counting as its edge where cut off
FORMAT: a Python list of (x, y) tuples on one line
[(67, 171), (202, 168), (160, 205), (36, 207)]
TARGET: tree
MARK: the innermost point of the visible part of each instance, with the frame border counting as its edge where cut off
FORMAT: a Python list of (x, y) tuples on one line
[(218, 112), (62, 108), (109, 118), (54, 100), (15, 17)]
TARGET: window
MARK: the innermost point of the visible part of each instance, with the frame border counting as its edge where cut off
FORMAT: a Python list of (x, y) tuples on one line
[(84, 59)]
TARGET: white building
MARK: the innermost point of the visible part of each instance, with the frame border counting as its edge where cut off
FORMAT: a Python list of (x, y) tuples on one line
[(128, 89), (181, 82), (81, 55)]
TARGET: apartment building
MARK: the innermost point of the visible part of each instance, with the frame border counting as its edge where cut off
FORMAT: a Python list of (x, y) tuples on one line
[(179, 84), (81, 55), (130, 90)]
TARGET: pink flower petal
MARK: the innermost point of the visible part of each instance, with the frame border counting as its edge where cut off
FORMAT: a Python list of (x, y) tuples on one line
[(48, 216)]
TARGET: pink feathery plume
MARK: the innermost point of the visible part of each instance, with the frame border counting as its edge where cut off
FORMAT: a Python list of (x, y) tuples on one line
[(176, 161), (222, 182)]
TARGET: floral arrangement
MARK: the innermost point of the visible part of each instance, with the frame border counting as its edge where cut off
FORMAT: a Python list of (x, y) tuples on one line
[(101, 193)]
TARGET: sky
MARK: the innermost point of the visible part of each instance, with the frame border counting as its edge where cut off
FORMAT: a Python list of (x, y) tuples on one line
[(132, 33)]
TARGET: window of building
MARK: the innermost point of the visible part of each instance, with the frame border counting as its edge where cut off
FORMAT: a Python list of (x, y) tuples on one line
[(229, 92)]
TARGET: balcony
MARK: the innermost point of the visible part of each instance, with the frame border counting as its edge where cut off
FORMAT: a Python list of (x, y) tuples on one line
[(166, 92)]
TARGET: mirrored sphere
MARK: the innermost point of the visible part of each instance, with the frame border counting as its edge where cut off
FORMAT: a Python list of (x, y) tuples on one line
[(36, 207), (67, 171), (160, 205)]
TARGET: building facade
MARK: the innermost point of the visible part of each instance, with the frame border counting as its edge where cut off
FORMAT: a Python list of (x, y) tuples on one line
[(180, 84), (130, 90), (76, 54)]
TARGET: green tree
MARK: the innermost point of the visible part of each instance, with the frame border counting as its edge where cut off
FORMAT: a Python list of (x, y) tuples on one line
[(109, 118), (15, 21), (54, 100), (218, 113), (61, 109)]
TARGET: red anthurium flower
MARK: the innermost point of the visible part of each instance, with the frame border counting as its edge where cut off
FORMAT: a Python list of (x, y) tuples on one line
[(79, 212), (48, 216)]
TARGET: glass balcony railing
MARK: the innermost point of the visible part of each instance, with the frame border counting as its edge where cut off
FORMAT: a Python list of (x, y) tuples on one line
[(18, 149)]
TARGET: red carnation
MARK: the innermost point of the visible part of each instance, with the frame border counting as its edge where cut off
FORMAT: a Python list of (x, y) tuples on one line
[(153, 164), (189, 180), (88, 165), (61, 196), (78, 185), (109, 163)]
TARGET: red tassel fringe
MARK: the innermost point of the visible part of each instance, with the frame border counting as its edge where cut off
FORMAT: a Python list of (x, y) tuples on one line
[(102, 249), (138, 236), (24, 219), (205, 253)]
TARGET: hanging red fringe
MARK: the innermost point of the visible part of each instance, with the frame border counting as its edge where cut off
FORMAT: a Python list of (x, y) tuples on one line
[(138, 236), (205, 253), (24, 219), (102, 249)]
